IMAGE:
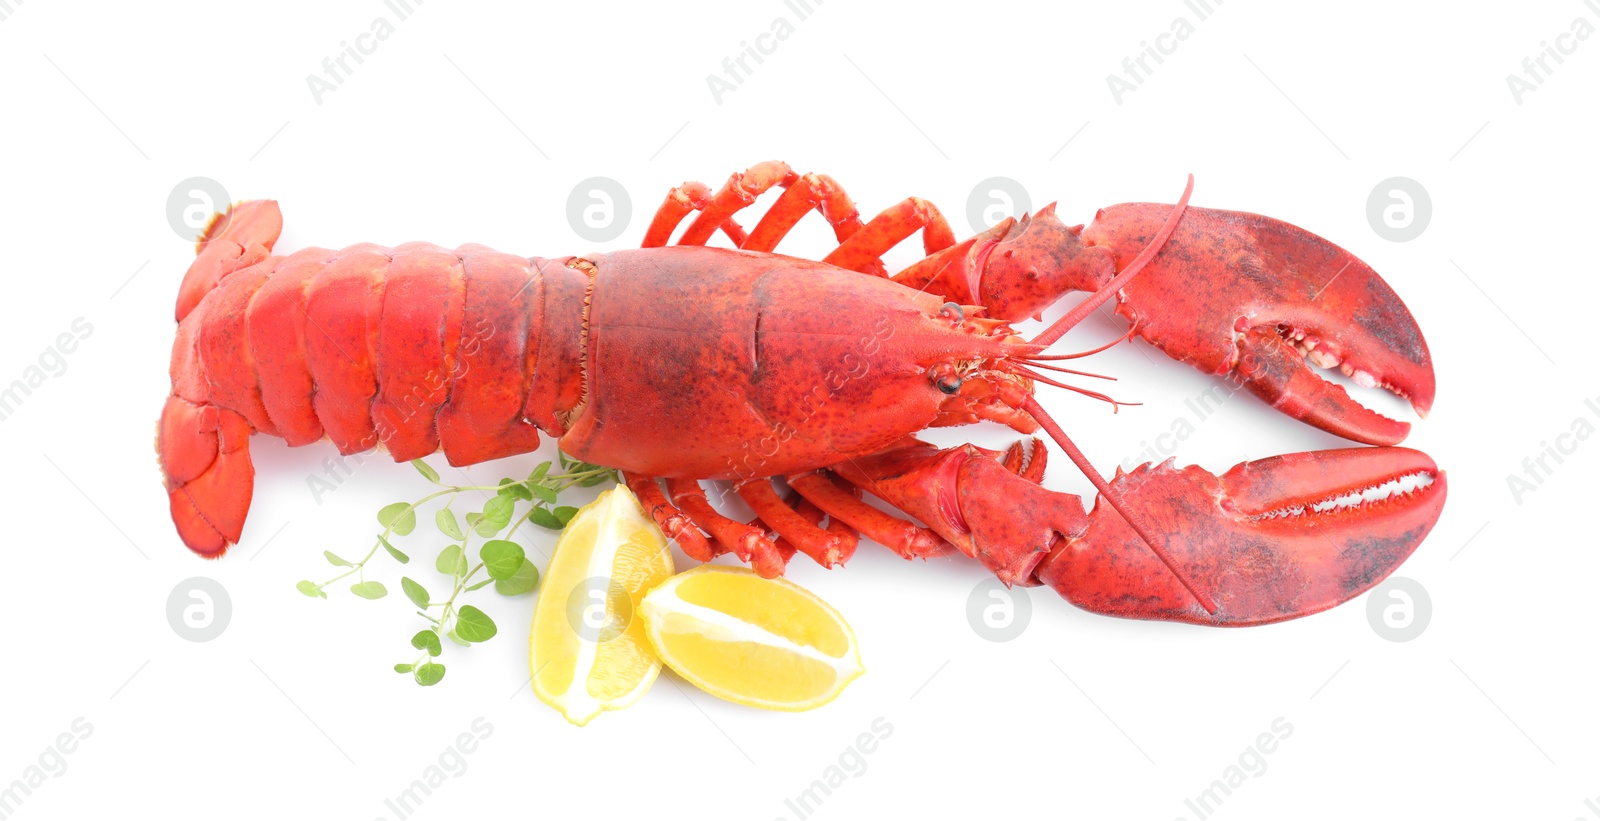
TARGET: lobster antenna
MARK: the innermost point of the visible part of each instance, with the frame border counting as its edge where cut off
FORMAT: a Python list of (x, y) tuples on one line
[(1041, 378), (1114, 499), (1059, 328), (1058, 369), (1042, 357)]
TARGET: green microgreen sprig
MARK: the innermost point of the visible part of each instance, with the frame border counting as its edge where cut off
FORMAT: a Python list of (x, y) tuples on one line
[(502, 561)]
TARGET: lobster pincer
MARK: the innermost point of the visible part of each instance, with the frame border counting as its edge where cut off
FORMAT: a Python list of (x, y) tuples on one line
[(1236, 295), (1269, 540)]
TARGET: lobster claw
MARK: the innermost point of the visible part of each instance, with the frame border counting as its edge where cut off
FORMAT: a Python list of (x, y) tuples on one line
[(1252, 298), (1269, 540)]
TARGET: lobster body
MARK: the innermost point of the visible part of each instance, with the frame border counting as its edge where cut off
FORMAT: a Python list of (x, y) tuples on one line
[(688, 363), (711, 363)]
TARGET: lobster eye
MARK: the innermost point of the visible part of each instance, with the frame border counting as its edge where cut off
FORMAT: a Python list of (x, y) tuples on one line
[(949, 383), (953, 312)]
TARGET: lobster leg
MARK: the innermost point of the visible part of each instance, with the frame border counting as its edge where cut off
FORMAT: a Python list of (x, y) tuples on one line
[(746, 541), (673, 522), (1269, 540), (860, 247), (899, 535), (864, 251), (811, 191), (823, 546), (681, 202)]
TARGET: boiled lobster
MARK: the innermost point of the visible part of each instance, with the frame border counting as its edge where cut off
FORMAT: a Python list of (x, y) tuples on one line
[(687, 363)]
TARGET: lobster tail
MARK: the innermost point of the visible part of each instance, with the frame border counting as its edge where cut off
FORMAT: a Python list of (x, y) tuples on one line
[(205, 462), (415, 348), (243, 236)]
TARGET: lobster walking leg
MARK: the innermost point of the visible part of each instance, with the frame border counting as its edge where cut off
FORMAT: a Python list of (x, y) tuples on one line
[(682, 201), (864, 251), (673, 522), (899, 535), (811, 191), (824, 547), (748, 542)]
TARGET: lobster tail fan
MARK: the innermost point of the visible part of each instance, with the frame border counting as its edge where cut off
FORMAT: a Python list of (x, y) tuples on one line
[(205, 462), (241, 237)]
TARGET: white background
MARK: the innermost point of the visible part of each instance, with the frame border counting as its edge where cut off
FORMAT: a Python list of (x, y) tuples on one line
[(1292, 110)]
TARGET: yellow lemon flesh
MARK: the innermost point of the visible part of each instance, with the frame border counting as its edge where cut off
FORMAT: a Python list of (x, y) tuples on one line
[(759, 642), (589, 652)]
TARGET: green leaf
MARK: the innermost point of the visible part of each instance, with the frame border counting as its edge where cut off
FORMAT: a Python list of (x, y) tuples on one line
[(473, 518), (499, 509), (539, 472), (496, 515), (426, 470), (369, 590), (524, 580), (310, 589), (545, 493), (564, 514), (544, 518), (446, 520), (516, 490), (402, 668), (457, 639), (398, 517), (452, 561), (429, 673), (501, 558), (427, 640), (398, 556), (334, 560), (415, 592), (480, 584), (474, 625), (597, 479)]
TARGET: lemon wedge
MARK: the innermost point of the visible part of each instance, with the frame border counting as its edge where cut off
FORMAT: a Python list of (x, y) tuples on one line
[(759, 642), (588, 650)]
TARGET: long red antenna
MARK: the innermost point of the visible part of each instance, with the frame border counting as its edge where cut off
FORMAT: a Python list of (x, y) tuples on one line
[(1115, 500), (1098, 298), (1056, 330)]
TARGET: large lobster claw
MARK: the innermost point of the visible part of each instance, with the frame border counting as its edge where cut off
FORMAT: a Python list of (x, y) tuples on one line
[(1269, 540), (1233, 294), (1252, 298)]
